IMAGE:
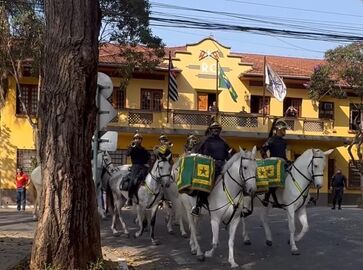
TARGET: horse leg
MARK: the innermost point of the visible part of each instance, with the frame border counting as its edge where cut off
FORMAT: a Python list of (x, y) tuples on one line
[(120, 204), (215, 222), (266, 226), (232, 232), (154, 210), (114, 216), (169, 219), (291, 221), (301, 214), (140, 220), (245, 236)]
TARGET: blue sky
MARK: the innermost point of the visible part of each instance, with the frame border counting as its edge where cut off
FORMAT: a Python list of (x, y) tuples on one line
[(336, 13)]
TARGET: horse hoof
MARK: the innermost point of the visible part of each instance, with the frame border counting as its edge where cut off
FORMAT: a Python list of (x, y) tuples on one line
[(234, 265), (116, 233), (208, 254), (194, 252), (155, 242), (295, 252), (248, 242), (269, 243), (201, 258), (184, 235), (171, 232)]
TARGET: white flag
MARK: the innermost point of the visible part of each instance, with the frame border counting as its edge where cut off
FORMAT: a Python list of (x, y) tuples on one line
[(274, 84)]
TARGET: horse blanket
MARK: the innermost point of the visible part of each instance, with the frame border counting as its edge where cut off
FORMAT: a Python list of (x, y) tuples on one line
[(196, 172), (270, 173)]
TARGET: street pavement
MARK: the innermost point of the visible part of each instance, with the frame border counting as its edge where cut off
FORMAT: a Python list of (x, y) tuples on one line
[(335, 241)]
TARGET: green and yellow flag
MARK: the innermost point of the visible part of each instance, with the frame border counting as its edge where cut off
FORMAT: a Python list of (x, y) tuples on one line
[(225, 83)]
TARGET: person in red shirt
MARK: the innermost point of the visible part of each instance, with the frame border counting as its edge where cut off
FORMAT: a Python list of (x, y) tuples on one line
[(22, 181)]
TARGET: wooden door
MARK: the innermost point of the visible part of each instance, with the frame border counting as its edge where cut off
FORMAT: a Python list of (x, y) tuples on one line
[(202, 102)]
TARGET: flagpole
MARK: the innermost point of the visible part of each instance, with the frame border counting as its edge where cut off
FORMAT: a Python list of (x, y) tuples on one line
[(217, 84), (167, 105), (264, 87)]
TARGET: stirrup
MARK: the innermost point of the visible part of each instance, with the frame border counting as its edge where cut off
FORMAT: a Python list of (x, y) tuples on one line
[(195, 211)]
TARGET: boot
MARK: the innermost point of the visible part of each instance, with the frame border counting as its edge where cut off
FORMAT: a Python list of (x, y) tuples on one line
[(266, 200), (129, 200)]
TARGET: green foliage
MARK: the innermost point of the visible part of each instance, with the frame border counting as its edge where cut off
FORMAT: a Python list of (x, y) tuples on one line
[(342, 72), (98, 265), (126, 22), (21, 28)]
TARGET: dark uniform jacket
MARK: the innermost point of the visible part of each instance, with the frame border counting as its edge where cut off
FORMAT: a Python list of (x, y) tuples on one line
[(217, 148), (277, 147), (139, 155), (338, 181)]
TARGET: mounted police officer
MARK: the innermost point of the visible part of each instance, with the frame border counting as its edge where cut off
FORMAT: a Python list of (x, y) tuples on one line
[(190, 146), (139, 158), (276, 145), (217, 148), (164, 148)]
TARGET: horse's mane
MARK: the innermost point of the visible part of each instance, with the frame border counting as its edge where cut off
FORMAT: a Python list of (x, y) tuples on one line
[(235, 157)]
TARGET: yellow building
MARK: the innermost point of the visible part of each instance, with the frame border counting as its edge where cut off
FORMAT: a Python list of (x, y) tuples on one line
[(145, 106)]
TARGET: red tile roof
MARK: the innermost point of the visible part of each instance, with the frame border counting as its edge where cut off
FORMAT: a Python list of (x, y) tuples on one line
[(284, 66)]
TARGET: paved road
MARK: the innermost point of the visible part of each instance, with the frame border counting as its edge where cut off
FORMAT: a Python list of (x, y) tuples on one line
[(335, 241)]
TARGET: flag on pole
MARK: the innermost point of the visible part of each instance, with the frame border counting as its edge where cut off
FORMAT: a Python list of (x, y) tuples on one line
[(274, 84), (172, 85), (225, 83)]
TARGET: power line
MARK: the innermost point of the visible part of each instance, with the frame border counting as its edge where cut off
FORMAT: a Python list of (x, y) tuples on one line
[(300, 9)]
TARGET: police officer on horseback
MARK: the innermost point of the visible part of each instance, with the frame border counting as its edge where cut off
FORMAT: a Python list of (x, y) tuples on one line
[(191, 144), (139, 158), (217, 148), (164, 148), (276, 145)]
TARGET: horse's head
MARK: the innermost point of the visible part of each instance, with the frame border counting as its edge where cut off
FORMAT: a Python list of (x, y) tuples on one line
[(316, 163), (247, 170), (161, 170), (107, 165)]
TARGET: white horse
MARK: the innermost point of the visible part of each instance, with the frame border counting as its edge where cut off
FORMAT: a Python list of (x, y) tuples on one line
[(306, 170), (37, 181), (225, 201), (149, 194)]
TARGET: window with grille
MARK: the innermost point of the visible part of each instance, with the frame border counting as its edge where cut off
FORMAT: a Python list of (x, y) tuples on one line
[(118, 98), (354, 177), (151, 99), (26, 158), (354, 116), (119, 157), (29, 93), (294, 102), (257, 104), (326, 110)]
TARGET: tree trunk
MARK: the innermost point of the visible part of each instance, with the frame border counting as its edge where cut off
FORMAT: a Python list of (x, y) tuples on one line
[(68, 230)]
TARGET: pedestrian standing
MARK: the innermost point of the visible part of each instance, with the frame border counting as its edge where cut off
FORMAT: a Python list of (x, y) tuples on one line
[(22, 180), (338, 183)]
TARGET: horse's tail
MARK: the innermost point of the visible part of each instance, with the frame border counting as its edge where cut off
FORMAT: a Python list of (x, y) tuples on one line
[(109, 198)]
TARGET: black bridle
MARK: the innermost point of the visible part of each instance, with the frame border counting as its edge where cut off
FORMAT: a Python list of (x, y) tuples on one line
[(158, 178)]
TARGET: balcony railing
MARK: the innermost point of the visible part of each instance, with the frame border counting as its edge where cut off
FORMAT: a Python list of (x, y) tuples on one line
[(199, 120)]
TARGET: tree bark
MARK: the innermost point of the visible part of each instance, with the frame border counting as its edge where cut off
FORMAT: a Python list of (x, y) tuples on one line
[(68, 230)]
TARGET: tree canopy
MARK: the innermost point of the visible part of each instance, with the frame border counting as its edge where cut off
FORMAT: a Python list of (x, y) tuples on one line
[(342, 72)]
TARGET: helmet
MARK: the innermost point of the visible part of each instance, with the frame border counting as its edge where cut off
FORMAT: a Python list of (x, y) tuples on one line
[(163, 137), (137, 135), (191, 137), (281, 124), (215, 125)]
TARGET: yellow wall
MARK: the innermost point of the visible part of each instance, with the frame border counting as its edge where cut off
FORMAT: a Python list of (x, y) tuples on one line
[(16, 133), (195, 76)]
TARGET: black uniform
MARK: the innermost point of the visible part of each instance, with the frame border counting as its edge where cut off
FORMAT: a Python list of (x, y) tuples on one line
[(338, 182), (139, 157), (277, 147), (217, 148)]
